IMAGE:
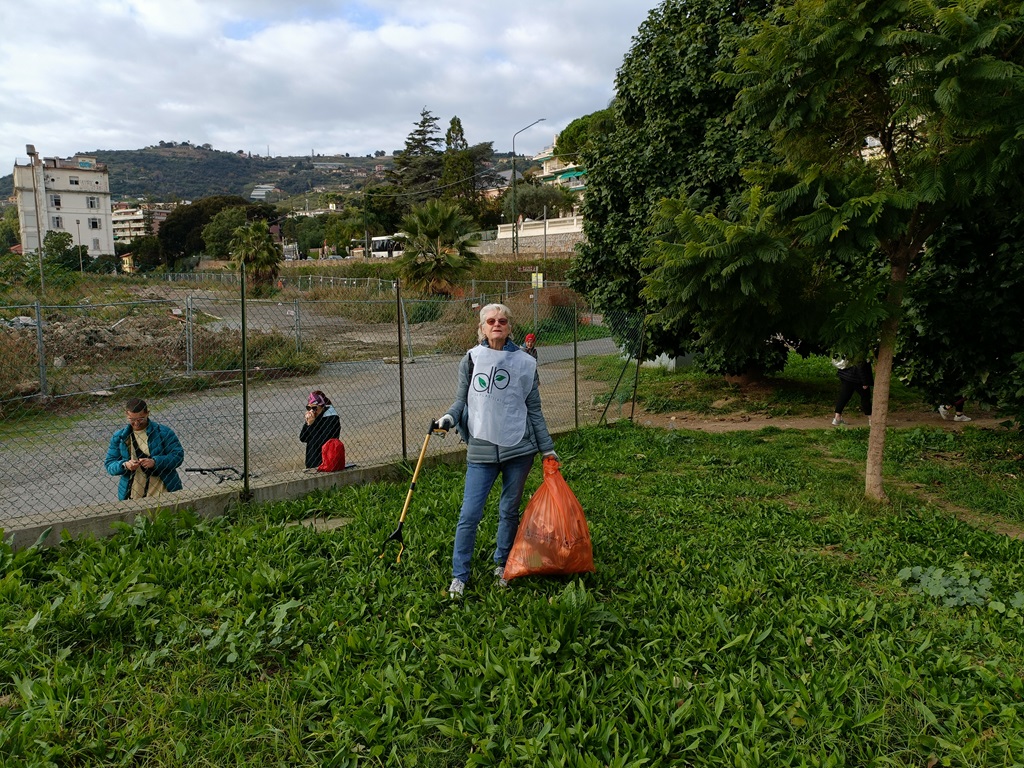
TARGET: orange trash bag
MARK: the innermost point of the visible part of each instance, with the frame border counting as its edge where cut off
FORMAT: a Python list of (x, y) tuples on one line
[(553, 537)]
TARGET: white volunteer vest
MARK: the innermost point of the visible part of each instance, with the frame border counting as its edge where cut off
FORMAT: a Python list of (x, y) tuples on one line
[(498, 387)]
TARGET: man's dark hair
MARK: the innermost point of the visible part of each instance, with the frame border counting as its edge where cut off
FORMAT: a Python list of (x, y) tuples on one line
[(135, 405)]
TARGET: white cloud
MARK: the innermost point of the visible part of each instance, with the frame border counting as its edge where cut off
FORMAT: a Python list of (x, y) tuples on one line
[(330, 75)]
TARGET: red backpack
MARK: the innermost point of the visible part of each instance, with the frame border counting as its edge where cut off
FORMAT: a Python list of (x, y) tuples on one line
[(332, 456)]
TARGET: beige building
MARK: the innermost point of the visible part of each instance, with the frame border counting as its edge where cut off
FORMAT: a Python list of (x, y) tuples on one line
[(71, 195), (568, 175)]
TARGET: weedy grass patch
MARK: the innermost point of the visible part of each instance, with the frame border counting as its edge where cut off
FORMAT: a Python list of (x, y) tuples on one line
[(806, 386), (749, 608)]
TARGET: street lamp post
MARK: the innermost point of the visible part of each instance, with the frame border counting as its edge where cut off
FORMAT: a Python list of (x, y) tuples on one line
[(515, 212), (78, 226)]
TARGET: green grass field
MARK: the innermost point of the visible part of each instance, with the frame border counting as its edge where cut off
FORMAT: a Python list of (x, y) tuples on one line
[(749, 609), (807, 386)]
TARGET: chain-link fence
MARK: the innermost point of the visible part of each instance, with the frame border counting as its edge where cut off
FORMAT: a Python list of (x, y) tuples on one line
[(388, 364)]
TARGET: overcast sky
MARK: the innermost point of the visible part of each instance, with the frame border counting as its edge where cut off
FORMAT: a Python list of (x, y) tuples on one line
[(295, 76)]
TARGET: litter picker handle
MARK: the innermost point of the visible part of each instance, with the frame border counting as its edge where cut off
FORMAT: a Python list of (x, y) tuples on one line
[(397, 534)]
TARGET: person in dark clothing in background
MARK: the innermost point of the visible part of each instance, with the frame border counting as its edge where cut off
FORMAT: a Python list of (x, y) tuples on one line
[(322, 423), (853, 377), (530, 345), (957, 406)]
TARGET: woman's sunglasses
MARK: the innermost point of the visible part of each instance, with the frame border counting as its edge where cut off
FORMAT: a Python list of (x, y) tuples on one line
[(312, 407), (498, 320)]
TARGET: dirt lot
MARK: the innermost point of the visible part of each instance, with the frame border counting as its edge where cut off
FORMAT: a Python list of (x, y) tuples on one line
[(735, 423)]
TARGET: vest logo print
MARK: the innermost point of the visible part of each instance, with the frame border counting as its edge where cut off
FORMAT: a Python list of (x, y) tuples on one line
[(496, 378)]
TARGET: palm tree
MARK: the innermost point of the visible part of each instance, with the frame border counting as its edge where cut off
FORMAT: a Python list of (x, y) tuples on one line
[(437, 239), (253, 245)]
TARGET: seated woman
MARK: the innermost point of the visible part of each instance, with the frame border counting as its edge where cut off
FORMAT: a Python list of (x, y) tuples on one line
[(322, 423)]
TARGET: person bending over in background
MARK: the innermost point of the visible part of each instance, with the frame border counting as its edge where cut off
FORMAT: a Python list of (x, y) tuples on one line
[(497, 412), (145, 454), (322, 423), (853, 377)]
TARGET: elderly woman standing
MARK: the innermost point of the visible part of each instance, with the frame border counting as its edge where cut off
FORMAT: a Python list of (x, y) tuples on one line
[(497, 412)]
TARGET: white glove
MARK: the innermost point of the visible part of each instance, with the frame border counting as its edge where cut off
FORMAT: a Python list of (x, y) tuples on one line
[(445, 422), (552, 454)]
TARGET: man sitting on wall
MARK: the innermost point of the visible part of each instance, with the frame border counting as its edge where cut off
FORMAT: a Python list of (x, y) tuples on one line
[(145, 454)]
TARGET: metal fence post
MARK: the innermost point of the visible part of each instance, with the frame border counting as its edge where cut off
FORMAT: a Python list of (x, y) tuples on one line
[(401, 368), (576, 362), (408, 332), (189, 349), (246, 495), (298, 328), (41, 350), (536, 290)]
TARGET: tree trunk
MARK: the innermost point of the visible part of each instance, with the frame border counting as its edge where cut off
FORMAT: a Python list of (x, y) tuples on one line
[(888, 333)]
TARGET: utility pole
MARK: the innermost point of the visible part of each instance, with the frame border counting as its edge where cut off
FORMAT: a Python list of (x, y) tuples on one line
[(515, 212), (33, 158), (78, 227)]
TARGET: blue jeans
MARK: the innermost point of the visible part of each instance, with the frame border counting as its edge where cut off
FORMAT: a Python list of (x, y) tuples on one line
[(479, 481)]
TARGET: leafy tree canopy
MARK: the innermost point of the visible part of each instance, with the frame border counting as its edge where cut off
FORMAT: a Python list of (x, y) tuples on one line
[(531, 200), (964, 316), (583, 133), (10, 233), (147, 253), (181, 234), (59, 250), (670, 131), (885, 119), (217, 234)]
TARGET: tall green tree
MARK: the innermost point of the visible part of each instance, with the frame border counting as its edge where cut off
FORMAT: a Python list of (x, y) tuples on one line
[(437, 247), (10, 234), (584, 133), (59, 250), (885, 117), (962, 330), (672, 130), (253, 246), (417, 169), (147, 253), (383, 207), (181, 234), (457, 177), (217, 234)]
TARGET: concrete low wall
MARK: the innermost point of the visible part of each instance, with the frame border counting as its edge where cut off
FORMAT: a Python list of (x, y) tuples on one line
[(101, 523)]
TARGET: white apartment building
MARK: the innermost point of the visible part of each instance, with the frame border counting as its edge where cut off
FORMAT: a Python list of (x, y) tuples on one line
[(132, 221), (69, 195)]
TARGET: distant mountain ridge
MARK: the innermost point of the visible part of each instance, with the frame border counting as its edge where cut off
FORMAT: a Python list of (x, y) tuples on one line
[(188, 172)]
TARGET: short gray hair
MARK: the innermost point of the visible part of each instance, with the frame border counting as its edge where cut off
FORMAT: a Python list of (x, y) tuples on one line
[(485, 311)]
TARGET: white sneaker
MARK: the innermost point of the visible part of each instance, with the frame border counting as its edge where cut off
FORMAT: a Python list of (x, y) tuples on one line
[(961, 417), (499, 574), (456, 588), (944, 412), (838, 421)]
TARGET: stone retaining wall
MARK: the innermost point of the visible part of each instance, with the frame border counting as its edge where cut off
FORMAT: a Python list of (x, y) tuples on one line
[(564, 243)]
